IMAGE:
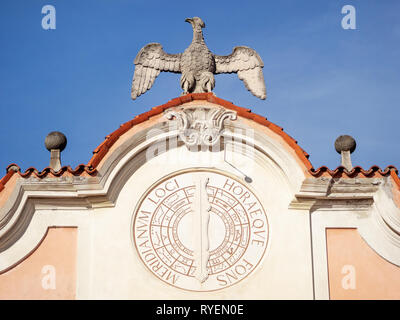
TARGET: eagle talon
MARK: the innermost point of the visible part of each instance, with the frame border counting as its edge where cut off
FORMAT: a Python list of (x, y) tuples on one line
[(207, 81)]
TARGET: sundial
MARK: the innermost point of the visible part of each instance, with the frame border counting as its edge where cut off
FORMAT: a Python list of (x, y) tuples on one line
[(200, 230)]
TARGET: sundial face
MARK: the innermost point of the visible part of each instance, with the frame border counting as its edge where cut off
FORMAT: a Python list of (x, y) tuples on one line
[(200, 230)]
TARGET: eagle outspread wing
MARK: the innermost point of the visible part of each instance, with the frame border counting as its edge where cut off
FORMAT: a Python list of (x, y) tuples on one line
[(150, 60), (248, 65)]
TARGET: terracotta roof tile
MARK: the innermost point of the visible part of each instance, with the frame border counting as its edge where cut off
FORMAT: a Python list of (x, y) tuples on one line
[(5, 179), (79, 170), (357, 171), (104, 147), (395, 176)]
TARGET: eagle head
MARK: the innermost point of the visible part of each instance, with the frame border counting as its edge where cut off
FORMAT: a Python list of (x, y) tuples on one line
[(196, 23)]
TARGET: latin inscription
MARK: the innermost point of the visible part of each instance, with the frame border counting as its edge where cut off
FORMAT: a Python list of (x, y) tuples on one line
[(237, 231)]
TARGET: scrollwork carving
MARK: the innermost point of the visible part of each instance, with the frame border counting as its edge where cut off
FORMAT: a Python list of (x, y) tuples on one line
[(200, 125)]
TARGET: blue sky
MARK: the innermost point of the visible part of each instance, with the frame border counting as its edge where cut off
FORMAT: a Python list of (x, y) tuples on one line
[(322, 80)]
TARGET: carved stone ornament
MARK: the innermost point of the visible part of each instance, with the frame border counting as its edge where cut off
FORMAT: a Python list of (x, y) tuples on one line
[(197, 64), (200, 125)]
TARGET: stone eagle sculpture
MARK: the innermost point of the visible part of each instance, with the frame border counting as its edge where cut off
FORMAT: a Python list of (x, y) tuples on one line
[(197, 64)]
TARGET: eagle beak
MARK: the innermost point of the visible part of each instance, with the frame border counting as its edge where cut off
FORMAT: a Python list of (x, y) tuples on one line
[(189, 20)]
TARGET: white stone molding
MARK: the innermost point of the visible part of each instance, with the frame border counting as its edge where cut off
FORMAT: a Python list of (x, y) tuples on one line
[(93, 193), (363, 204), (200, 125)]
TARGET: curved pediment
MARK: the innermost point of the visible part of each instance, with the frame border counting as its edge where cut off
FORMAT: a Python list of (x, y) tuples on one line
[(205, 136), (98, 184)]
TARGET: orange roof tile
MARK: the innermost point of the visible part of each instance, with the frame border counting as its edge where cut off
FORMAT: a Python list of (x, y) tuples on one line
[(373, 172)]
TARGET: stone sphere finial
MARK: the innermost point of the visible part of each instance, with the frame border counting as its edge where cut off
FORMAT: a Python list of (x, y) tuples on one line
[(345, 143), (55, 140)]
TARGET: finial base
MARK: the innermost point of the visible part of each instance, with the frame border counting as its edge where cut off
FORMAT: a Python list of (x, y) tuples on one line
[(55, 159)]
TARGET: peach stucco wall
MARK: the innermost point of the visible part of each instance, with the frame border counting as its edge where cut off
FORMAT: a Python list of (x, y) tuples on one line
[(356, 271), (49, 272)]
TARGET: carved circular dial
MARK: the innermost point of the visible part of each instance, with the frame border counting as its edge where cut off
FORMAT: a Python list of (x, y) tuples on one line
[(200, 230)]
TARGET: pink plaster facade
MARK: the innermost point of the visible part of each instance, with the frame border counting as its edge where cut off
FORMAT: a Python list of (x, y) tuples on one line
[(48, 272), (356, 271)]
